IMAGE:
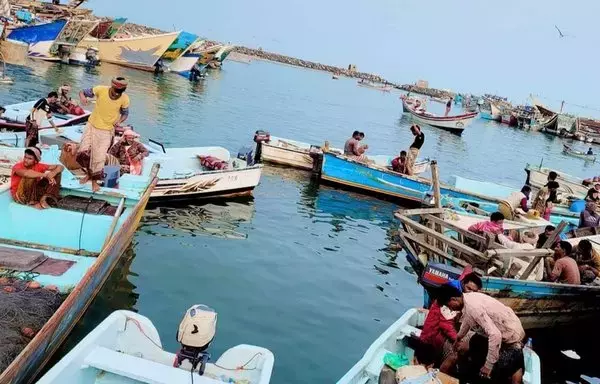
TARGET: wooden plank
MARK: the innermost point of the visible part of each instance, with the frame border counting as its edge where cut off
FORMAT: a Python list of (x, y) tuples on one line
[(456, 228), (549, 241), (435, 179), (504, 253), (477, 210), (419, 211), (451, 242), (44, 247), (115, 220)]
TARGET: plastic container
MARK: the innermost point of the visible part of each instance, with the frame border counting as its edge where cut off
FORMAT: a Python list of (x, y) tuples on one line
[(111, 176), (577, 206)]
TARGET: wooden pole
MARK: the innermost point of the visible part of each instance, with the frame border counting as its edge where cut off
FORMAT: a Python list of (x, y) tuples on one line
[(549, 241), (113, 225), (435, 180)]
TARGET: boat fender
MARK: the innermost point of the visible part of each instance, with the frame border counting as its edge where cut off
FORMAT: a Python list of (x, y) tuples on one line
[(262, 136)]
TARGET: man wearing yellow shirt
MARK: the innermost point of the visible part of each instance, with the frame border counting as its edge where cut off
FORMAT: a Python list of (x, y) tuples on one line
[(111, 110)]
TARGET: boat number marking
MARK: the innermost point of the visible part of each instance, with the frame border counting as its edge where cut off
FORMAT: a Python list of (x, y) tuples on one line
[(232, 178)]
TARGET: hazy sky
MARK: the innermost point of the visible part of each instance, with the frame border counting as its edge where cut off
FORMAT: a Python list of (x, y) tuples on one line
[(507, 47)]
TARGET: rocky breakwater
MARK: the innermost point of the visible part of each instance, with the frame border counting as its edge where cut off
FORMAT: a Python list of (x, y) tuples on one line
[(432, 92), (259, 53)]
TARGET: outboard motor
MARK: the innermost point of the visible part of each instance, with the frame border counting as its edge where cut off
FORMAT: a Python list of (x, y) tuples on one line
[(435, 275), (196, 332), (91, 55), (259, 138)]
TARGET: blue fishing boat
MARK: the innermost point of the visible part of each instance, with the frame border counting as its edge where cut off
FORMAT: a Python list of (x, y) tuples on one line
[(40, 38), (93, 232), (538, 304), (377, 180)]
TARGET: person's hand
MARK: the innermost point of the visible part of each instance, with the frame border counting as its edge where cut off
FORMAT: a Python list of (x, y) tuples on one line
[(485, 372), (50, 177), (456, 344), (84, 101)]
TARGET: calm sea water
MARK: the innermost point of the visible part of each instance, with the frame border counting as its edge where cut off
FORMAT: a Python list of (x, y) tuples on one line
[(306, 271)]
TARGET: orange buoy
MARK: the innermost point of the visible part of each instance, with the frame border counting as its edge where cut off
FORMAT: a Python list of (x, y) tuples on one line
[(28, 332), (9, 289)]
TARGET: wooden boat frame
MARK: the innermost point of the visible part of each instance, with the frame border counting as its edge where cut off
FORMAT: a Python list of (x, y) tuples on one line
[(28, 364)]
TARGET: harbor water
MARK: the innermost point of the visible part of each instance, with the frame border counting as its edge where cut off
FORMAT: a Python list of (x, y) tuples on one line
[(308, 271)]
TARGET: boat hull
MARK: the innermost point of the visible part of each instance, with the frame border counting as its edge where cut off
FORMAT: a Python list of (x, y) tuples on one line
[(208, 185), (454, 124), (40, 38), (137, 52), (568, 151), (16, 114), (486, 115), (286, 156), (347, 173), (28, 364), (538, 177)]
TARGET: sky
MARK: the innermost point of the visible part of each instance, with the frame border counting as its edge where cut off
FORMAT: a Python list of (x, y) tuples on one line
[(508, 47)]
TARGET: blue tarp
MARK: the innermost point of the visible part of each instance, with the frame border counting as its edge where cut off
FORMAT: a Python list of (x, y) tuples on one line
[(36, 33)]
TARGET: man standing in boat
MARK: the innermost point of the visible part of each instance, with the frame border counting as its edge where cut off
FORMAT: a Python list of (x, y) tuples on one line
[(111, 110), (41, 111), (448, 107), (415, 147)]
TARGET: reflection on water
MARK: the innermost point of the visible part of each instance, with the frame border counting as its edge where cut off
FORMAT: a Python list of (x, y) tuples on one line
[(220, 220)]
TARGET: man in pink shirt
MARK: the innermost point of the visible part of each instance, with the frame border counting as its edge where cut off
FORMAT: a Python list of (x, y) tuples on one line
[(497, 329), (563, 268), (494, 226)]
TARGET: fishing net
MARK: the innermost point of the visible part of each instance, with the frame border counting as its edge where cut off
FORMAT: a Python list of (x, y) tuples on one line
[(24, 309)]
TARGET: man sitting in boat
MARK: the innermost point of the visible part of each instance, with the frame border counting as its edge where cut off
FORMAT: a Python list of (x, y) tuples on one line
[(415, 148), (515, 204), (588, 261), (497, 329), (563, 268), (35, 183), (590, 152), (130, 153), (64, 104), (494, 226), (399, 164), (593, 196), (545, 235), (589, 218), (353, 149)]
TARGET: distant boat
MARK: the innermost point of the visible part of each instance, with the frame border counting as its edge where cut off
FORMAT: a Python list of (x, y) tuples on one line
[(455, 124), (370, 84), (203, 53), (396, 340), (139, 52), (491, 113), (335, 77), (537, 177), (126, 348), (567, 150)]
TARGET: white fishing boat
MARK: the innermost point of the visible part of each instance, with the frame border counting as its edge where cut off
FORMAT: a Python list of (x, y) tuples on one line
[(182, 177), (395, 340), (568, 150), (440, 100), (537, 177), (455, 124), (371, 84), (296, 154), (126, 348)]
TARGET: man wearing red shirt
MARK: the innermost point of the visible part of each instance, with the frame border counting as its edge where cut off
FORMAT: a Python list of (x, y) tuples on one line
[(32, 182)]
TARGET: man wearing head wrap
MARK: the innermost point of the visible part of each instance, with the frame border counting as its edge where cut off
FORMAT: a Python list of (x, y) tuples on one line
[(34, 183), (129, 152), (111, 110)]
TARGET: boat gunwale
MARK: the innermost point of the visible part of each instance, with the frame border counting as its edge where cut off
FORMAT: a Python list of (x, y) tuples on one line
[(47, 332)]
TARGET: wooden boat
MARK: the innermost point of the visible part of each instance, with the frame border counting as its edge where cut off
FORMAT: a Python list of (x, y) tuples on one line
[(335, 77), (139, 52), (440, 100), (509, 119), (184, 63), (14, 117), (537, 177), (455, 124), (203, 52), (40, 37), (380, 181), (182, 176), (538, 304), (301, 155), (370, 84), (126, 348), (88, 243), (567, 150), (395, 340), (491, 113)]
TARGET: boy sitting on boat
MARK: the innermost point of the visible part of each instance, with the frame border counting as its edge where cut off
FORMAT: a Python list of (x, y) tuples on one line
[(35, 183)]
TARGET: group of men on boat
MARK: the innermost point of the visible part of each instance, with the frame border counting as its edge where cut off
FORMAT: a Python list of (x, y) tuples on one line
[(37, 184), (404, 163), (469, 335)]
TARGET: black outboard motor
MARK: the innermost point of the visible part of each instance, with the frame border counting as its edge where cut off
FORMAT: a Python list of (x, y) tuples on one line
[(259, 138), (434, 276), (246, 153)]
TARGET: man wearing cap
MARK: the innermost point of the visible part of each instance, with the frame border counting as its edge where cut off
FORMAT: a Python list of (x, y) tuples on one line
[(111, 110), (34, 183), (129, 152)]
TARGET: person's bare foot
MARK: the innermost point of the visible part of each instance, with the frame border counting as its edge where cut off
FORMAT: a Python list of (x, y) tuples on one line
[(84, 179), (95, 186)]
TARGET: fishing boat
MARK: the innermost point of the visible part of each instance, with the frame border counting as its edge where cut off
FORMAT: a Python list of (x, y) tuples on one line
[(491, 113), (537, 177), (513, 276), (296, 154), (86, 53), (204, 53), (397, 340), (182, 175), (547, 119), (509, 119), (440, 100), (40, 37), (16, 114), (381, 181), (567, 150), (74, 258), (126, 348), (371, 84), (455, 124), (139, 52)]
